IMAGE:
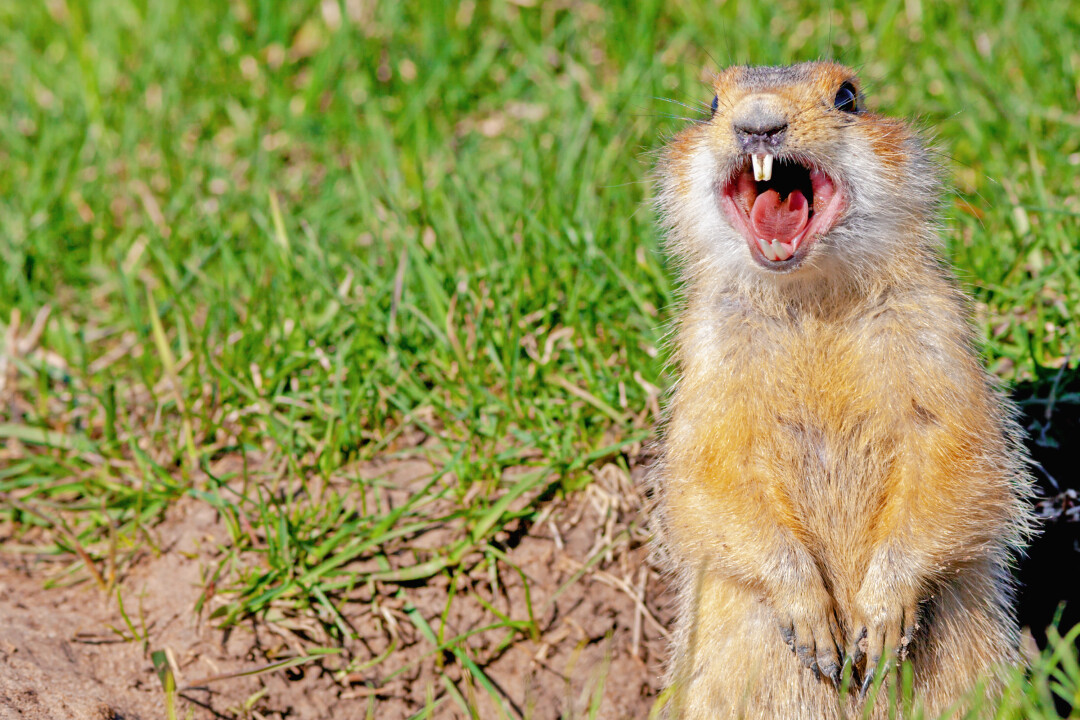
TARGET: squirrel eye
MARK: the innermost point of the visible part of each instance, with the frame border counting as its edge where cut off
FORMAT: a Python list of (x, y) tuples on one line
[(715, 103), (846, 98)]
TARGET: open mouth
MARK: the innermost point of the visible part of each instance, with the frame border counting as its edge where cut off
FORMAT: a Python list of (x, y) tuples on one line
[(781, 207)]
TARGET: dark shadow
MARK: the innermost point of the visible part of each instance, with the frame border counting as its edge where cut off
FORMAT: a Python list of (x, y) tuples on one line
[(1050, 407)]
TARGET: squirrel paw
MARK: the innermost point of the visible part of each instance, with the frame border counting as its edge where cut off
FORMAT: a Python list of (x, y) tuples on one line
[(886, 630), (812, 633)]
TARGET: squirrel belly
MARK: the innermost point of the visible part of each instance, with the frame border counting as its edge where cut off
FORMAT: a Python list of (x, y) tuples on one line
[(839, 480)]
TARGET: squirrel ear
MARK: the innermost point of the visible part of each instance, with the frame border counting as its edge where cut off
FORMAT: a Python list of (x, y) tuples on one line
[(847, 98)]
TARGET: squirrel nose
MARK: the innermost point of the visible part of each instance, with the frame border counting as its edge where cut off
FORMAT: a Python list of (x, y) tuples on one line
[(759, 127)]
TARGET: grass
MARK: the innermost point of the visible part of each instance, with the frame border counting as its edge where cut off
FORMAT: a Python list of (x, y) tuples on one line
[(246, 247)]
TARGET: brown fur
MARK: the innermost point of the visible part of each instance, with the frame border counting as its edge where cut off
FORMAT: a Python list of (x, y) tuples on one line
[(835, 456)]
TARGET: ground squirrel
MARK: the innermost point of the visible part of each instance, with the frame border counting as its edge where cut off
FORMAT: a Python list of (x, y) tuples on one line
[(839, 478)]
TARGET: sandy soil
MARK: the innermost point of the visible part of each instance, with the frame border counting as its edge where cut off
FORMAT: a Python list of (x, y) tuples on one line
[(66, 652)]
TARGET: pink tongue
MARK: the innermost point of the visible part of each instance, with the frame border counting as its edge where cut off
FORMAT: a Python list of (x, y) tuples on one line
[(771, 219)]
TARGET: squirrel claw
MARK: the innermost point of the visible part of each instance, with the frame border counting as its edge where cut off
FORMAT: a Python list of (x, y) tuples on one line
[(857, 653), (905, 640), (872, 669), (865, 686), (832, 671), (805, 653), (788, 633), (814, 646)]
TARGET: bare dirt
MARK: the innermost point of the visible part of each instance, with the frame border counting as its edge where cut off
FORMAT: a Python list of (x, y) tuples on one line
[(67, 652)]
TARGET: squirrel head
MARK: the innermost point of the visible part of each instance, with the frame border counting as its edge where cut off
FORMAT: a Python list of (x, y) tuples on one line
[(791, 177)]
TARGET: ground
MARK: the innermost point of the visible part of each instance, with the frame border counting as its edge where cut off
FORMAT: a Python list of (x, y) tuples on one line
[(68, 652)]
